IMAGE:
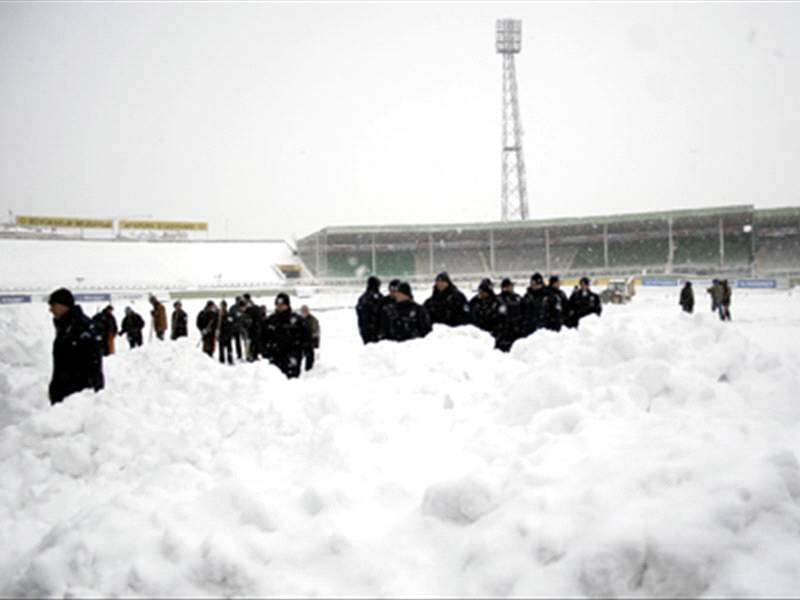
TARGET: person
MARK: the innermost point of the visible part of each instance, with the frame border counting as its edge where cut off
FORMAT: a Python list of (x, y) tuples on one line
[(484, 307), (555, 305), (287, 338), (159, 314), (582, 302), (180, 321), (237, 313), (509, 327), (207, 324), (725, 300), (715, 291), (132, 325), (105, 329), (368, 311), (313, 329), (225, 327), (533, 305), (687, 298), (77, 356), (404, 319), (447, 304), (254, 321)]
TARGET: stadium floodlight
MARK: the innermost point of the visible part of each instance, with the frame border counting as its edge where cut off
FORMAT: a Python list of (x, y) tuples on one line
[(514, 196)]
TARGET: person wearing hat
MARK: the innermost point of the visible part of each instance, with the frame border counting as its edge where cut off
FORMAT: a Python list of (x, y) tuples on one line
[(77, 355), (286, 337), (404, 319), (582, 302), (132, 325), (687, 298), (447, 304), (484, 307), (555, 305), (314, 331), (180, 321), (509, 327), (207, 322), (105, 329), (368, 310), (533, 305)]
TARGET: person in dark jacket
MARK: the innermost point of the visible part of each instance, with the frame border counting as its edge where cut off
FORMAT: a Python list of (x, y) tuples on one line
[(687, 298), (555, 305), (239, 333), (159, 315), (368, 311), (132, 325), (105, 329), (225, 327), (533, 305), (509, 327), (582, 302), (447, 304), (254, 322), (725, 300), (484, 307), (313, 329), (180, 321), (404, 319), (287, 338), (207, 320), (77, 356), (715, 291)]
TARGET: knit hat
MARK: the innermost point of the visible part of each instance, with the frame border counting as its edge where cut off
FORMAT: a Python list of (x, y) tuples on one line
[(282, 299), (585, 281), (486, 285), (506, 282), (554, 279), (393, 285), (404, 288), (443, 276), (62, 296), (537, 278), (373, 283)]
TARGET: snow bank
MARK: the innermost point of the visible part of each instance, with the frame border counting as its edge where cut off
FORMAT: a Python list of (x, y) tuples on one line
[(649, 453)]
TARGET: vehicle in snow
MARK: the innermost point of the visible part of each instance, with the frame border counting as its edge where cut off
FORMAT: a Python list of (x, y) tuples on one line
[(618, 291)]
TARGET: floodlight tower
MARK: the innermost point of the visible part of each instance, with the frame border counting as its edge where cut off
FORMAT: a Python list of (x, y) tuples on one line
[(514, 189)]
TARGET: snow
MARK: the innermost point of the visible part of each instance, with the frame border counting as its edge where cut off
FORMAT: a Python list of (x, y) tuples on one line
[(48, 264), (649, 453)]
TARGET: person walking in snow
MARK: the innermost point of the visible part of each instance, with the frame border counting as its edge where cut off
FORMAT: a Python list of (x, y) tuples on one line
[(207, 324), (725, 300), (287, 337), (77, 355), (687, 298), (509, 326), (484, 307), (533, 305), (312, 323), (715, 291), (180, 321), (132, 325), (555, 305), (404, 319), (225, 331), (368, 311), (159, 315), (582, 303), (447, 304)]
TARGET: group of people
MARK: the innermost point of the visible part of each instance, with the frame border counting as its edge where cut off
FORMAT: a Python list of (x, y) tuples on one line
[(720, 292), (507, 316)]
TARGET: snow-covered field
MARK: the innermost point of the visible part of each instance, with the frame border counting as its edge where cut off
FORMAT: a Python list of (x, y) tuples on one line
[(650, 453)]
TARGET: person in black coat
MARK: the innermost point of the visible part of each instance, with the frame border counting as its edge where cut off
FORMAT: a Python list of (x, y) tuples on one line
[(533, 305), (287, 337), (253, 322), (404, 319), (687, 298), (225, 330), (207, 321), (583, 302), (447, 304), (132, 325), (555, 305), (485, 307), (180, 321), (77, 355), (509, 327), (368, 311)]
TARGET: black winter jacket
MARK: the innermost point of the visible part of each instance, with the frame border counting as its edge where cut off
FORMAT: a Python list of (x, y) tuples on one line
[(401, 321), (77, 356), (449, 307)]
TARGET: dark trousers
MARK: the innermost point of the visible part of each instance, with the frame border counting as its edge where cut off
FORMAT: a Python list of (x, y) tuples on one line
[(135, 339), (237, 342), (225, 348)]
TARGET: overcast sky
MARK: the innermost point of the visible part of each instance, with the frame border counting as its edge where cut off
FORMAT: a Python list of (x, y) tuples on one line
[(273, 120)]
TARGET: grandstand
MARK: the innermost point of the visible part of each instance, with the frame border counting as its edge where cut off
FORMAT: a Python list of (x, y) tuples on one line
[(728, 241)]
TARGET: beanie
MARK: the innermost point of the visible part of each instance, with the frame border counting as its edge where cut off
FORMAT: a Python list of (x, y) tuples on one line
[(282, 299), (506, 282), (585, 281), (404, 288), (537, 278), (486, 285), (373, 283), (443, 276), (554, 279), (393, 284), (62, 296)]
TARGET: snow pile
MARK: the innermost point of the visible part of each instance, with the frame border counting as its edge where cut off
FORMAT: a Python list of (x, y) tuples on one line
[(649, 453)]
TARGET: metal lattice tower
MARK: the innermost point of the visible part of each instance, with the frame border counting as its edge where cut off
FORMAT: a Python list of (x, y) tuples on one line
[(514, 189)]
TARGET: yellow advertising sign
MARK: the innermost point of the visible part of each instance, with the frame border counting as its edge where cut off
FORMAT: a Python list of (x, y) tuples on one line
[(28, 221), (165, 225)]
